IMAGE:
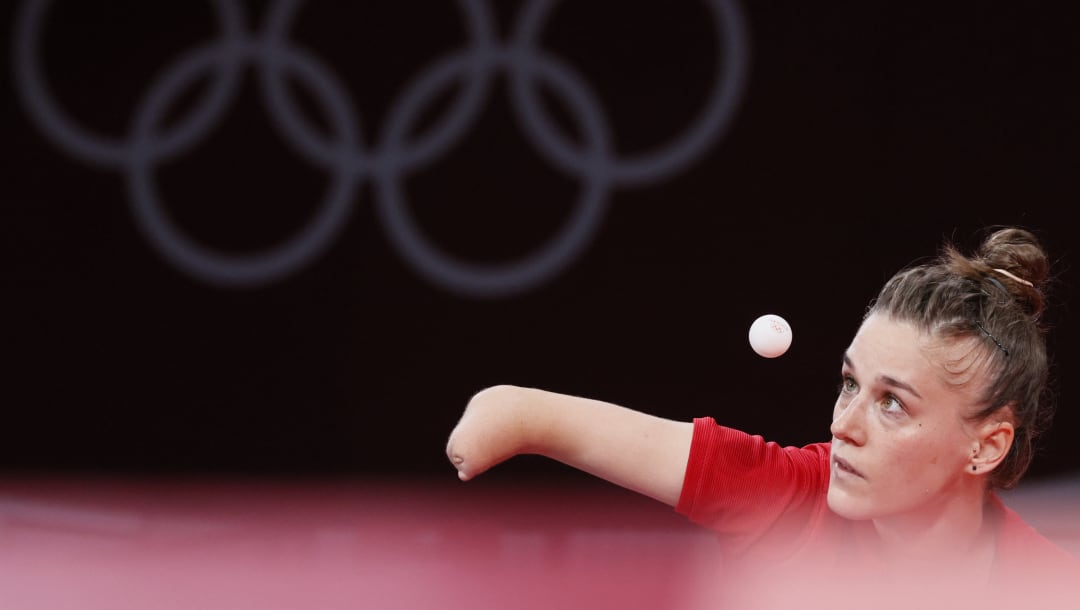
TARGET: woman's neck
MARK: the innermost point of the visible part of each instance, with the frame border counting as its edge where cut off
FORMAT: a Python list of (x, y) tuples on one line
[(955, 533)]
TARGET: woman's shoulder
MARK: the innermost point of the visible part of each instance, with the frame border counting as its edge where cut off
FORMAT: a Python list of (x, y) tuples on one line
[(1025, 558)]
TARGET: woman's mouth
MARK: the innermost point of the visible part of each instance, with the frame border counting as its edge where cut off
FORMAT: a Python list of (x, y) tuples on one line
[(843, 466)]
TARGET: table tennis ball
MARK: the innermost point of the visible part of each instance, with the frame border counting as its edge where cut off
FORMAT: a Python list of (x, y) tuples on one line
[(770, 335)]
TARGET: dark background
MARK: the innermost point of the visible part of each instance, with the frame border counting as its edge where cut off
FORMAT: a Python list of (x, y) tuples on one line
[(866, 133)]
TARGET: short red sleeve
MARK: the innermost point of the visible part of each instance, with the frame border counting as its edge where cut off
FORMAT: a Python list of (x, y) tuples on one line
[(747, 489)]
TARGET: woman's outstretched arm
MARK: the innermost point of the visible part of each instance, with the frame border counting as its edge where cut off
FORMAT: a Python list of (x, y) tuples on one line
[(640, 452)]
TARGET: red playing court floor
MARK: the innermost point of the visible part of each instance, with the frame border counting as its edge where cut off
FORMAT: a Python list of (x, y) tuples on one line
[(326, 545)]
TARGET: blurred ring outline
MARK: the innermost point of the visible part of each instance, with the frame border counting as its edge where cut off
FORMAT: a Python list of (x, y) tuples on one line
[(390, 160)]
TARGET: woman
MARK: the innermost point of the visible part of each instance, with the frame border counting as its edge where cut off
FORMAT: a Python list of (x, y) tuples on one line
[(940, 403)]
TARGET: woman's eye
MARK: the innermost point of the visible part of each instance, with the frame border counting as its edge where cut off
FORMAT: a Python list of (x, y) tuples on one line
[(890, 404), (848, 385)]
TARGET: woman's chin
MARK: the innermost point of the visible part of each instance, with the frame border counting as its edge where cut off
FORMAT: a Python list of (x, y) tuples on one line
[(847, 505)]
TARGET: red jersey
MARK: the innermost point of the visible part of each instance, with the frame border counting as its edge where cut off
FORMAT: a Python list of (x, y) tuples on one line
[(782, 545)]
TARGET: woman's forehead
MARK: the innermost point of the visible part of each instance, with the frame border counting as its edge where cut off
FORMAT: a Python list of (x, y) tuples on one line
[(901, 348), (884, 342)]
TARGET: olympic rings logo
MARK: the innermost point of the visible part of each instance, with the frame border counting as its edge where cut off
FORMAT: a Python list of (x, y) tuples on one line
[(389, 161)]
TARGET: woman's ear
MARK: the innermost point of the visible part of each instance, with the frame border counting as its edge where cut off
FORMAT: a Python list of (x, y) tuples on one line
[(994, 438)]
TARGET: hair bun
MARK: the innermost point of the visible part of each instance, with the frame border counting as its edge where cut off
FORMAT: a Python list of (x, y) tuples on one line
[(1020, 263)]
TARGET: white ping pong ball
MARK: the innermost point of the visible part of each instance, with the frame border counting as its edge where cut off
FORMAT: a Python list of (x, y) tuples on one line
[(770, 335)]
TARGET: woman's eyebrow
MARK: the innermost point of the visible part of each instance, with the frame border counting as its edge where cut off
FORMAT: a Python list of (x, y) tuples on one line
[(887, 380), (896, 383)]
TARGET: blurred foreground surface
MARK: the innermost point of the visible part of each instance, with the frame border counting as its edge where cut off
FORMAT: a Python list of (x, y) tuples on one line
[(267, 545)]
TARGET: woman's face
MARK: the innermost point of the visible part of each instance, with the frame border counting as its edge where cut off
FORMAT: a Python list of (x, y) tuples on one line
[(900, 439)]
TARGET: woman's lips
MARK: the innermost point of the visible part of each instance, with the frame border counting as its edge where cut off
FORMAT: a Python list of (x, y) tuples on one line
[(844, 466)]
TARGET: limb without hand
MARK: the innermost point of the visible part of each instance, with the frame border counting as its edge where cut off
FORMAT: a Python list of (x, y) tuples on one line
[(640, 452)]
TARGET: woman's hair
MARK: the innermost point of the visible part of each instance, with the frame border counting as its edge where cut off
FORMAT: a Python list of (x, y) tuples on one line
[(994, 299)]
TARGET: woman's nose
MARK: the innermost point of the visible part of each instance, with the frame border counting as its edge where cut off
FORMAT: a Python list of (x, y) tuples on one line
[(848, 424)]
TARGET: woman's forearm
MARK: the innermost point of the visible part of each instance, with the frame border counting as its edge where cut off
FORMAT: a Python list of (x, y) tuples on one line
[(640, 452)]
